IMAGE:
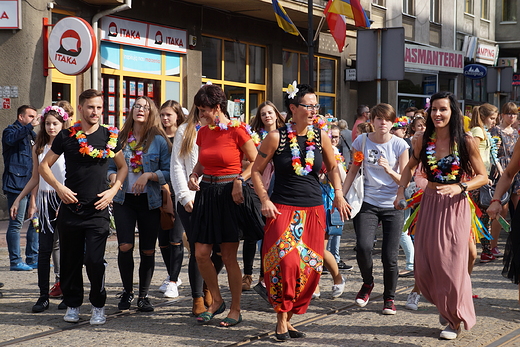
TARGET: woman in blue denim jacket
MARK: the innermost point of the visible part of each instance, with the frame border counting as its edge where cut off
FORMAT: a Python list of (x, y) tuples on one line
[(147, 152)]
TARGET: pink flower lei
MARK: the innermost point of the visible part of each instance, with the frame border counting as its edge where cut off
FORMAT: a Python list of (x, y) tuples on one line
[(58, 110)]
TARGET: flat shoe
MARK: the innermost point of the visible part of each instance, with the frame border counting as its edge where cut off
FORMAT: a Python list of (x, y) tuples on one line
[(205, 317), (295, 334), (281, 337), (229, 322)]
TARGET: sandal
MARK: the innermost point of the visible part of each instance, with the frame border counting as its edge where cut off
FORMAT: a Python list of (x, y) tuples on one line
[(205, 317), (229, 322)]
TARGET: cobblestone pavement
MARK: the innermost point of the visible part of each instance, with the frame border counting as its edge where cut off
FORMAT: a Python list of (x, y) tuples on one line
[(328, 322)]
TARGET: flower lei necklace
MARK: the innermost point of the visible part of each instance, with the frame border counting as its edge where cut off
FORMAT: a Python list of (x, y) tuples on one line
[(493, 143), (432, 162), (259, 136), (295, 151), (85, 148), (136, 162)]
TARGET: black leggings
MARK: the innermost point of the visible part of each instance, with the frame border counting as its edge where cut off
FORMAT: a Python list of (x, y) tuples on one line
[(172, 254), (135, 209), (196, 281)]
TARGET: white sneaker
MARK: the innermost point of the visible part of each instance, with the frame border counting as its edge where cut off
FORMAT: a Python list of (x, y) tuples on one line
[(412, 303), (338, 289), (171, 290), (98, 316), (179, 282), (316, 295), (449, 333), (72, 315), (164, 285)]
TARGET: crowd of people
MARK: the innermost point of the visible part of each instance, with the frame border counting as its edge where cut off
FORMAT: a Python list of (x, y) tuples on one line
[(275, 185)]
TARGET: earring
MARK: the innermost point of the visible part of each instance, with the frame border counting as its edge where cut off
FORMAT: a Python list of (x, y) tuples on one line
[(217, 120)]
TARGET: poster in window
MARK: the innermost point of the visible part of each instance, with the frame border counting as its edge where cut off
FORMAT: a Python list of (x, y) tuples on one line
[(149, 92), (132, 88), (140, 89), (111, 85), (131, 102), (124, 105), (111, 104), (112, 120), (124, 87)]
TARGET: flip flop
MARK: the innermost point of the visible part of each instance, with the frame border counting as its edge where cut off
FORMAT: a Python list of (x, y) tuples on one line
[(229, 322), (205, 317)]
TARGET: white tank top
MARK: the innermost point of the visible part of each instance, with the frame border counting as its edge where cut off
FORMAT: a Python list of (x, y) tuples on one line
[(58, 170)]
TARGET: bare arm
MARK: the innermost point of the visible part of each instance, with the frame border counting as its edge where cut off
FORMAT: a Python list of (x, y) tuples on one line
[(408, 170), (32, 184), (66, 195)]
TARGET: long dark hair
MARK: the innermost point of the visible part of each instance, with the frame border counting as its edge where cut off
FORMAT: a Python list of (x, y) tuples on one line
[(257, 124), (303, 89), (457, 135), (43, 138)]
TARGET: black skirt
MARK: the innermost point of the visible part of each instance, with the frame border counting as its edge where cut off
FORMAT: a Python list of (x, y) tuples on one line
[(216, 218)]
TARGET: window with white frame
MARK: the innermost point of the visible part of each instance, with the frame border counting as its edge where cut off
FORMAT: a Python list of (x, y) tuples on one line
[(408, 7)]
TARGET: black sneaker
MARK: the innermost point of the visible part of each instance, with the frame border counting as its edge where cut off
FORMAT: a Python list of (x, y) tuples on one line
[(62, 306), (260, 290), (126, 300), (343, 266), (144, 305), (41, 305)]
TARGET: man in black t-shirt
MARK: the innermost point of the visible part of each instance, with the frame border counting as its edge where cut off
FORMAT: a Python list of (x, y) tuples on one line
[(83, 219)]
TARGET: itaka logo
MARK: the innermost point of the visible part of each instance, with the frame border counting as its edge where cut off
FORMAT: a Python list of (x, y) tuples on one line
[(70, 43), (158, 38), (112, 29)]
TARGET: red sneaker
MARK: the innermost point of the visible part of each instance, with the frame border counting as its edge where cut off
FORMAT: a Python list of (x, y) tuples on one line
[(496, 252), (486, 257), (364, 294), (55, 291)]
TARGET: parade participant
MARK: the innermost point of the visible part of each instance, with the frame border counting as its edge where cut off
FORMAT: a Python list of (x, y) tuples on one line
[(484, 118), (384, 157), (220, 200), (147, 152), (507, 137), (295, 215), (17, 141), (83, 219), (267, 119), (170, 241), (54, 119), (184, 157), (443, 230)]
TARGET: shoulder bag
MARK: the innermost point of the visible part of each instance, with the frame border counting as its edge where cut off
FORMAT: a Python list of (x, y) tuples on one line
[(356, 193)]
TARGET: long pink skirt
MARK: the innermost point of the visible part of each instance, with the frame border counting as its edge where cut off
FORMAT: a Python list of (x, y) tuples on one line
[(441, 256)]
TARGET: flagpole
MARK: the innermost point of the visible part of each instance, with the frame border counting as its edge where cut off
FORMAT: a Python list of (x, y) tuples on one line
[(310, 43)]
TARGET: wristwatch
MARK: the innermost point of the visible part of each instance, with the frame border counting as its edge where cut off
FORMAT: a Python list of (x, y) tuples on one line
[(463, 186)]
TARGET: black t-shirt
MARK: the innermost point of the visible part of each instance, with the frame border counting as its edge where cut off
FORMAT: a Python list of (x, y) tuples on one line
[(289, 188), (85, 175)]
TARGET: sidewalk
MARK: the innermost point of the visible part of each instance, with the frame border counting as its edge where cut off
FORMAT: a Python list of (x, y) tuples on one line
[(328, 322)]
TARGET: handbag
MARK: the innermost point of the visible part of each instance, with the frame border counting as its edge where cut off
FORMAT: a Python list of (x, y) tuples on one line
[(334, 223), (167, 211), (486, 193), (356, 193)]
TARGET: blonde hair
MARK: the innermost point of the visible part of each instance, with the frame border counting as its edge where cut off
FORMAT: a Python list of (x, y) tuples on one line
[(365, 128), (480, 113), (190, 134)]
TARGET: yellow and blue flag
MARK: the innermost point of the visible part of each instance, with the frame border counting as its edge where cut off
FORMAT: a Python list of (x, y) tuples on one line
[(351, 9), (283, 19)]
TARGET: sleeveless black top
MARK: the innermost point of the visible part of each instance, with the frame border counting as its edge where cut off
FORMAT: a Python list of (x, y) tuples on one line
[(289, 188)]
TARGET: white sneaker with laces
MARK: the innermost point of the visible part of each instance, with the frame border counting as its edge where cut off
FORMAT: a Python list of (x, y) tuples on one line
[(316, 295), (171, 290), (72, 315), (98, 316), (412, 303), (338, 289), (179, 282), (164, 285), (449, 333)]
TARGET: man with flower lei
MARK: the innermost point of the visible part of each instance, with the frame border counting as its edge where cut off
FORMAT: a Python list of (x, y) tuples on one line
[(293, 245), (83, 220)]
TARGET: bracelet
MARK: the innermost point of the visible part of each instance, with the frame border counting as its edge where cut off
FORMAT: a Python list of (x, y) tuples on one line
[(401, 186), (495, 200), (338, 189), (194, 173), (240, 178)]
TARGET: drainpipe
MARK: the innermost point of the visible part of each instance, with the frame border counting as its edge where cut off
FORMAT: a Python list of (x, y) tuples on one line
[(95, 23)]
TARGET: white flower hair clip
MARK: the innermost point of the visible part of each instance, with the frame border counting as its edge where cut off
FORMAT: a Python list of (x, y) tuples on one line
[(292, 90), (58, 110)]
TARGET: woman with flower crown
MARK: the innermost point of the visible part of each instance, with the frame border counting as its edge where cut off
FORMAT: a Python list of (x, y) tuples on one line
[(267, 119), (221, 202), (292, 251), (443, 229), (53, 120), (384, 157), (147, 152)]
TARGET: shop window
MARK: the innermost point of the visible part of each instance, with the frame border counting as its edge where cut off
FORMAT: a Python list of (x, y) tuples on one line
[(173, 90), (211, 58), (416, 83), (290, 67), (509, 10), (234, 61), (256, 64), (173, 65), (475, 90), (327, 74)]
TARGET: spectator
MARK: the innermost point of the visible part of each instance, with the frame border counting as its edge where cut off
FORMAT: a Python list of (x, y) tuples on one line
[(17, 141), (362, 116)]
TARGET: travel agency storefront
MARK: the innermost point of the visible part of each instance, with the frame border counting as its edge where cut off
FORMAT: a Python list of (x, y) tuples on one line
[(427, 71)]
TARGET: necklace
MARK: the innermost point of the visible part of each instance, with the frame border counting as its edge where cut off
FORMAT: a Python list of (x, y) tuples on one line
[(86, 149), (295, 150), (259, 136), (493, 144), (136, 162), (433, 162)]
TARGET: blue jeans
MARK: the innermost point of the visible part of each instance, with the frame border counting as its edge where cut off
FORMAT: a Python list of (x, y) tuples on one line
[(13, 234), (333, 246), (365, 225)]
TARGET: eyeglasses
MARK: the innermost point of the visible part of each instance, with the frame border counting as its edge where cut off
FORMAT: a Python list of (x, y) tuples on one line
[(510, 114), (311, 107), (335, 137), (144, 107)]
